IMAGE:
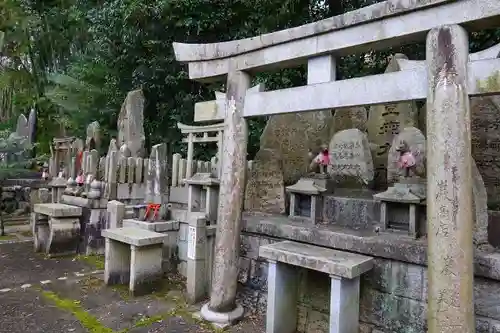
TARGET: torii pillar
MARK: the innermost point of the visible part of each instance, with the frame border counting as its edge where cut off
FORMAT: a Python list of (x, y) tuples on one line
[(222, 308), (449, 184)]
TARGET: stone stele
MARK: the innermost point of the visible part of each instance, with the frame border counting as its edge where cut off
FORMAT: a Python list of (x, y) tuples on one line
[(94, 132), (265, 190), (351, 159), (385, 122), (22, 129), (346, 118), (292, 136), (485, 132), (480, 207), (131, 123)]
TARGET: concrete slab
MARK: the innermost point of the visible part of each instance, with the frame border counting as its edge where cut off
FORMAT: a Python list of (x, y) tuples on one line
[(134, 236), (333, 262), (57, 210), (160, 226)]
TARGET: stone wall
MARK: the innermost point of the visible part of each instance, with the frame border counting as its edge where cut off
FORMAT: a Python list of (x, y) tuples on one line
[(18, 195), (393, 294)]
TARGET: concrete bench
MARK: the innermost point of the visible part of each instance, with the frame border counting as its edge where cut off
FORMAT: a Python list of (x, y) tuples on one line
[(133, 256), (56, 228), (344, 269)]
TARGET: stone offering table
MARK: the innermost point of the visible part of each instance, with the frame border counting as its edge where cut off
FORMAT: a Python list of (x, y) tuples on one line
[(56, 228), (344, 269), (133, 256)]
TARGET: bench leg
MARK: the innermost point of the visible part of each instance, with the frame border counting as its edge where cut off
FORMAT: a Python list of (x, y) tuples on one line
[(145, 268), (64, 236), (282, 284), (117, 262), (344, 305), (41, 232)]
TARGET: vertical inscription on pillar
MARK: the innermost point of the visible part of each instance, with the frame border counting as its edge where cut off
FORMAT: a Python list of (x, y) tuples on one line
[(191, 243)]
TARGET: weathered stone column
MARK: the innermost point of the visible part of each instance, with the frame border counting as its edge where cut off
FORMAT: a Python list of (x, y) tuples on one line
[(222, 308), (449, 184)]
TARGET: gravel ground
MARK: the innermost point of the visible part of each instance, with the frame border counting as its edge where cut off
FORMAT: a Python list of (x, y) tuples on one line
[(39, 295)]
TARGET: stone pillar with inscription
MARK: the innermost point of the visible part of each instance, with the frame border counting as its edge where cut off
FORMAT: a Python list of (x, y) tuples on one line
[(385, 122), (449, 185)]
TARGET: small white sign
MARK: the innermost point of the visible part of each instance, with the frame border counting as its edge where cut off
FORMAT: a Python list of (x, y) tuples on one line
[(191, 243)]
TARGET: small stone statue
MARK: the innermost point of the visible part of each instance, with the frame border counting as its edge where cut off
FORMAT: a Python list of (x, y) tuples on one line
[(45, 174), (80, 182), (321, 160), (407, 160)]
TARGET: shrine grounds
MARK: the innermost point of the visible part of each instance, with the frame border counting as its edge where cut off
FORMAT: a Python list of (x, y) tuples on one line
[(40, 294)]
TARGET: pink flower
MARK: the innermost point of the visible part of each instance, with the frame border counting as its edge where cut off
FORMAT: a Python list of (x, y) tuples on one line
[(407, 160)]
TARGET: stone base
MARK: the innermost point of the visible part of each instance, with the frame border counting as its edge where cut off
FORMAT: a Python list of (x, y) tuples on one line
[(409, 190), (133, 256), (222, 319), (55, 236)]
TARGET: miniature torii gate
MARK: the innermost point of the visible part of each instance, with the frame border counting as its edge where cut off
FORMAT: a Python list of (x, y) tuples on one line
[(446, 79), (191, 139)]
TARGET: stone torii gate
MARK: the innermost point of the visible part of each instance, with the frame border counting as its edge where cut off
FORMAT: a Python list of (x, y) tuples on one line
[(447, 79)]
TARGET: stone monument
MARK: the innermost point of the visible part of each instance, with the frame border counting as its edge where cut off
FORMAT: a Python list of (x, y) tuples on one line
[(351, 163), (131, 123), (385, 122), (93, 140), (347, 118), (265, 190), (292, 136)]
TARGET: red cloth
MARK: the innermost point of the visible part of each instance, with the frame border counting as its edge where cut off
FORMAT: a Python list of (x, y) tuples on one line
[(323, 158), (79, 158), (79, 179), (407, 160)]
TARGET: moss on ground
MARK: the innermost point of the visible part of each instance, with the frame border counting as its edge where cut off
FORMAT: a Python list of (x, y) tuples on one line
[(26, 233), (94, 260), (7, 237), (170, 291), (146, 321), (88, 321)]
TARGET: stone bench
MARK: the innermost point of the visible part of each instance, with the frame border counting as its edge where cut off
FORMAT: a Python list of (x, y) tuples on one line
[(133, 256), (344, 269), (56, 228)]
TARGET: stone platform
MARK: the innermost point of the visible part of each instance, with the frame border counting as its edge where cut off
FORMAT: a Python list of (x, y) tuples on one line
[(56, 228)]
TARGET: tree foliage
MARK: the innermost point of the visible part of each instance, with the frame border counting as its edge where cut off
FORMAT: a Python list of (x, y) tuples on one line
[(75, 60)]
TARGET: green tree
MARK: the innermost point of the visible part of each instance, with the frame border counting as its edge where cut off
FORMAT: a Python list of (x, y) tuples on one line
[(41, 37), (76, 60)]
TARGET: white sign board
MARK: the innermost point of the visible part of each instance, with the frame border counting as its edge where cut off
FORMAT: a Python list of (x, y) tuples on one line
[(191, 243)]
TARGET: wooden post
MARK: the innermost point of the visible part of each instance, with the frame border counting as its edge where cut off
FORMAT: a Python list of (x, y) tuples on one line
[(232, 191), (449, 184)]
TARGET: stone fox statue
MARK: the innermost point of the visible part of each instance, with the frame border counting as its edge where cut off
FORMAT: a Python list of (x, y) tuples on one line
[(407, 160), (321, 160)]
